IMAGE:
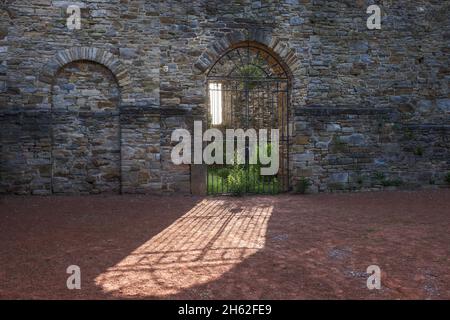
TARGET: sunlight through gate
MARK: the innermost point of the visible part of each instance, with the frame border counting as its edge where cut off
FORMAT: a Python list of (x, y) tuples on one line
[(249, 89)]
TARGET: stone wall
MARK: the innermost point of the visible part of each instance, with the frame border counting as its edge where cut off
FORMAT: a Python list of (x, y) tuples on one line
[(370, 109), (367, 149)]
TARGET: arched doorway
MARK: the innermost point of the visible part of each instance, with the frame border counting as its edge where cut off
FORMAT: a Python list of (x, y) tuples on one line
[(248, 88)]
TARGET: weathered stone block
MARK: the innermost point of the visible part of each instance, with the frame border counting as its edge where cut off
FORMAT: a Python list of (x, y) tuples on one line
[(302, 140)]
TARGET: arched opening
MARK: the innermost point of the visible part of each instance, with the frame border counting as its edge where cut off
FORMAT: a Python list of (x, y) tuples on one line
[(248, 88), (85, 129)]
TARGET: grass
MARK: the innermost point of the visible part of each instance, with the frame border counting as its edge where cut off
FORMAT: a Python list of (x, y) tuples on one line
[(302, 185), (418, 151), (218, 182), (447, 178), (381, 178), (338, 146)]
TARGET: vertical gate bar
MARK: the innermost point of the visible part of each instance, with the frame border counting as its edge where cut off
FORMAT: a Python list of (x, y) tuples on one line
[(264, 184), (272, 105), (278, 118), (282, 134), (247, 111), (288, 134), (207, 122), (256, 117), (262, 108), (247, 155), (273, 184), (272, 115), (231, 105), (226, 182), (216, 181)]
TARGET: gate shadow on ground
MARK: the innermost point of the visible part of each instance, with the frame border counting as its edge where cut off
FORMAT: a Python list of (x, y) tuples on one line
[(199, 247), (230, 248), (259, 247), (242, 248), (291, 247)]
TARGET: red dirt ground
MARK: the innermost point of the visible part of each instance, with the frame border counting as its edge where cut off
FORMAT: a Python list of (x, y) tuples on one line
[(259, 247)]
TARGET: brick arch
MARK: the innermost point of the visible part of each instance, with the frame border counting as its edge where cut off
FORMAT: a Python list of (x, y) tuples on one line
[(6, 20), (100, 56), (286, 56), (5, 9)]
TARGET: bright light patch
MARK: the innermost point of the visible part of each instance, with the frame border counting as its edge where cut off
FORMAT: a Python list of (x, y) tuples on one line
[(215, 102), (199, 247)]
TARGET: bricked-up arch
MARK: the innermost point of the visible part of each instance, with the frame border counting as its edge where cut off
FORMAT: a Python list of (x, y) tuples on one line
[(85, 129), (102, 174), (97, 55)]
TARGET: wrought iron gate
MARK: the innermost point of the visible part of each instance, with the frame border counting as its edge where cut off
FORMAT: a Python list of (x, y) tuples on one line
[(248, 88)]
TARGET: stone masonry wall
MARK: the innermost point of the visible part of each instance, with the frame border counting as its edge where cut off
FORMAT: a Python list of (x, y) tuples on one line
[(367, 149), (370, 109)]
